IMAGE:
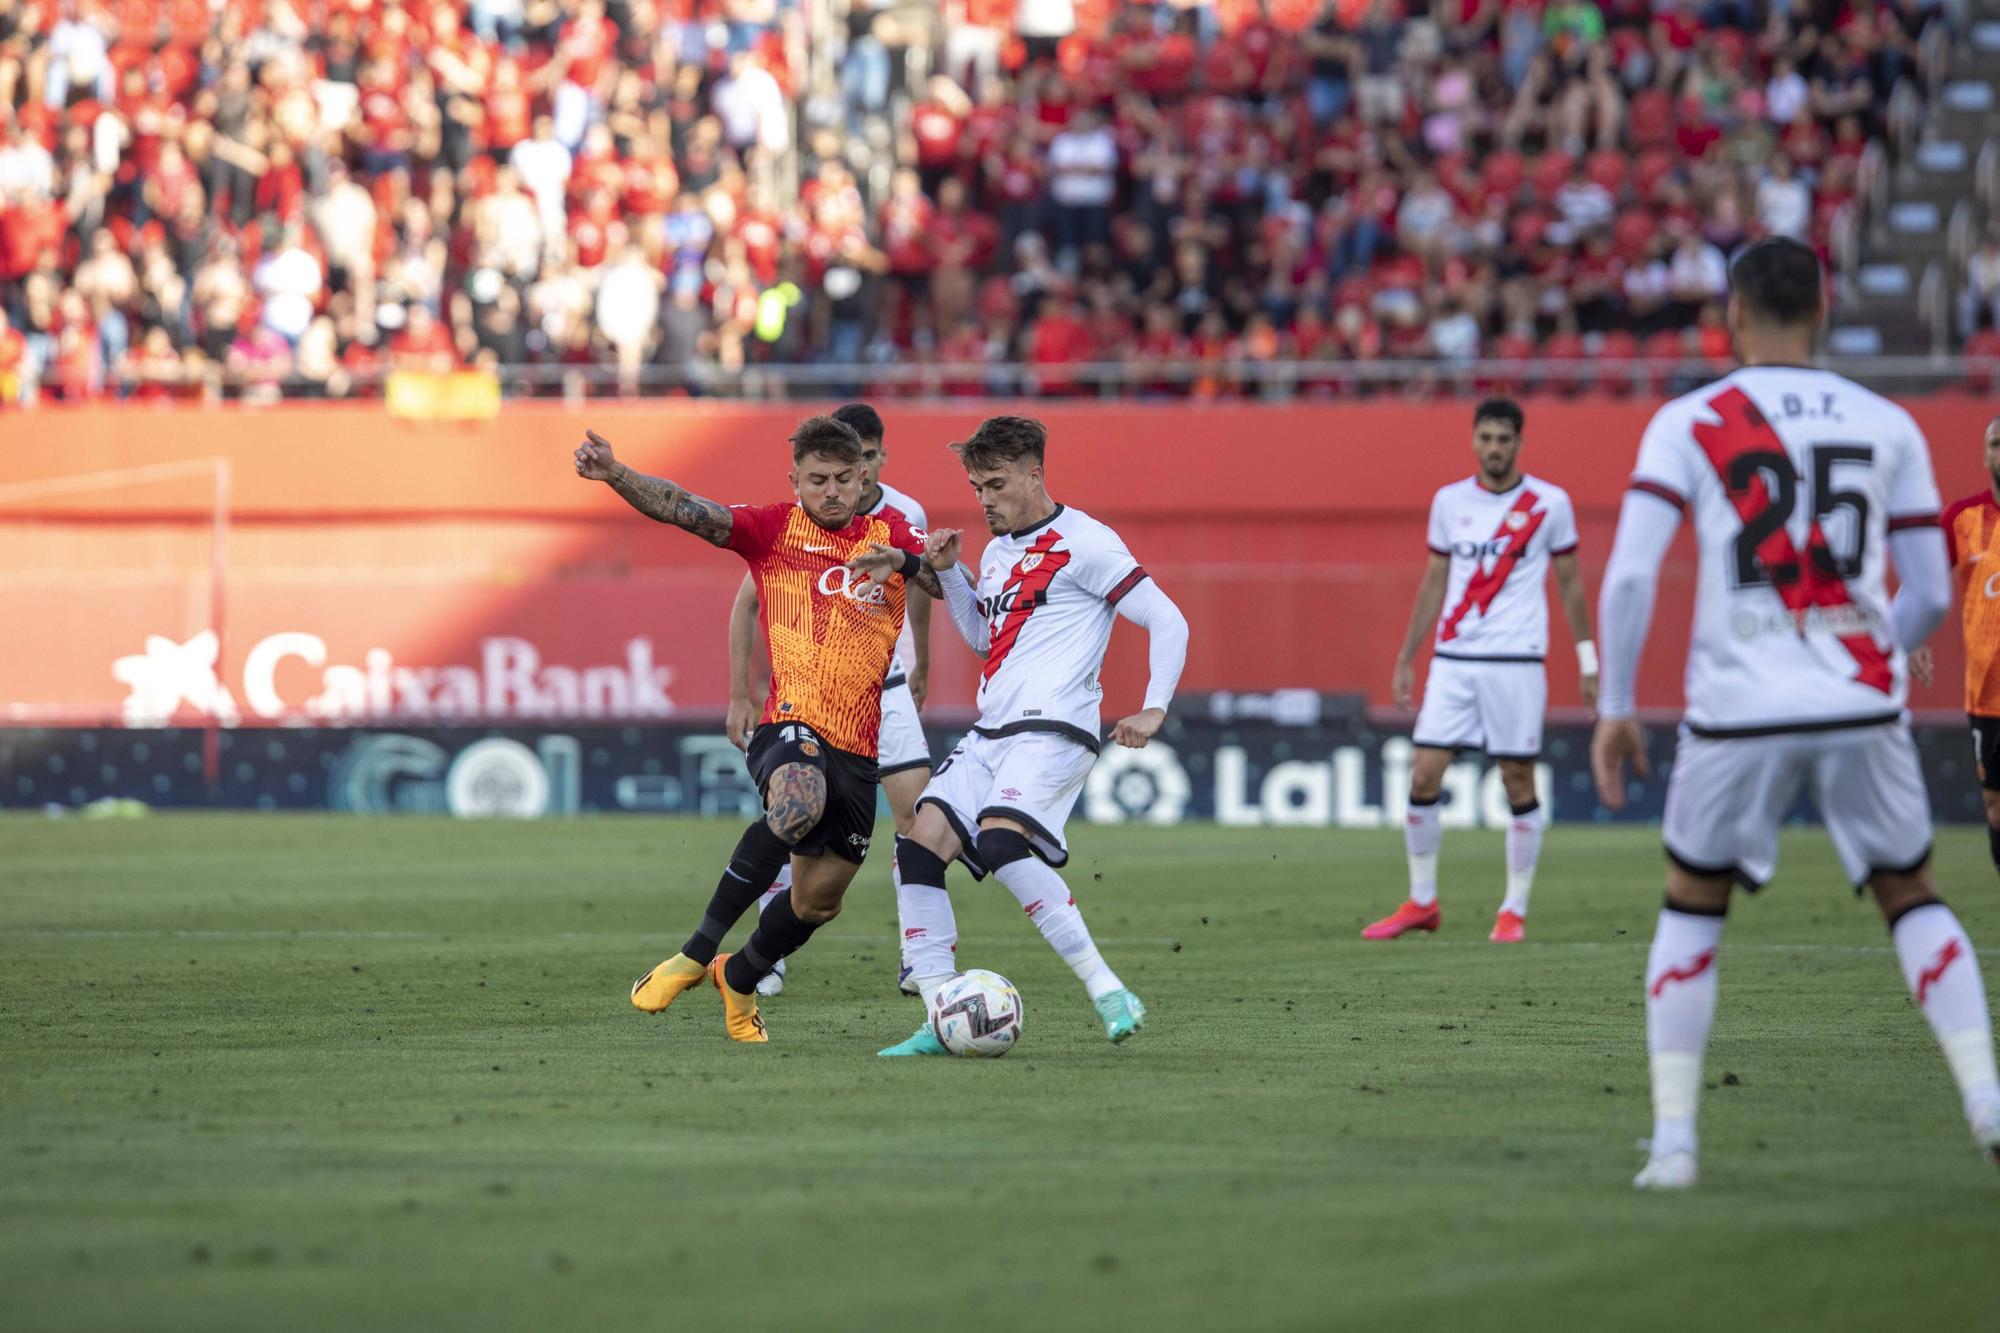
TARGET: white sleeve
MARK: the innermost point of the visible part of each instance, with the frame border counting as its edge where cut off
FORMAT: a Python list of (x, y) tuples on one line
[(963, 603), (1439, 538), (1924, 595), (1913, 492), (1167, 638), (1103, 567), (1561, 526), (1647, 522), (1666, 456)]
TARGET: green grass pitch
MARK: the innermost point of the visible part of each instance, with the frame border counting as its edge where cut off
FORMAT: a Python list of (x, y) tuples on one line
[(295, 1073)]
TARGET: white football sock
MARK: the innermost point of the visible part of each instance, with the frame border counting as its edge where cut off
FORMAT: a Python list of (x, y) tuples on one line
[(929, 929), (1422, 835), (1681, 988), (1943, 974), (1045, 898), (1524, 848), (780, 886)]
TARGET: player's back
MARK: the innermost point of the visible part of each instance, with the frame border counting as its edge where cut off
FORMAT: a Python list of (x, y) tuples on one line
[(1794, 478)]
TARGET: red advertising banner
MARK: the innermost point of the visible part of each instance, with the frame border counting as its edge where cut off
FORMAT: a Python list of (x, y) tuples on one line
[(384, 569)]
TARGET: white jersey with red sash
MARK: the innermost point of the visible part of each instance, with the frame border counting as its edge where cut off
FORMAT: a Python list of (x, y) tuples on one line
[(1499, 544), (1793, 479)]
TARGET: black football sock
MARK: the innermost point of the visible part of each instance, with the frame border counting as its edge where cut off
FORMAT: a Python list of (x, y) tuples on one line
[(779, 934), (1993, 844), (760, 855)]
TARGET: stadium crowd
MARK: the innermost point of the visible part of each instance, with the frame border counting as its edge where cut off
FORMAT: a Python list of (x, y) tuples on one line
[(291, 196)]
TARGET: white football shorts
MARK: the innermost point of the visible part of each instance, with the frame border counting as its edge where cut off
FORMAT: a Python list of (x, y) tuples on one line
[(1492, 706), (1033, 777), (901, 744), (1727, 797)]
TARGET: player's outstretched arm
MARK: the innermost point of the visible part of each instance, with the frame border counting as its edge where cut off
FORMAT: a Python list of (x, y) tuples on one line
[(1646, 527), (742, 633), (1576, 610), (1166, 656), (655, 497), (1423, 618)]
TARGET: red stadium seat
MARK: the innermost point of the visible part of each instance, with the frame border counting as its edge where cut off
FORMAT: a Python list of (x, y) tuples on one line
[(1504, 172), (1633, 232), (1608, 167), (1615, 355), (1649, 120), (1551, 169)]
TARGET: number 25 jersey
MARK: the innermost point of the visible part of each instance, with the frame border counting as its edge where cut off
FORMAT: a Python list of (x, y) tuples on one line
[(1794, 478)]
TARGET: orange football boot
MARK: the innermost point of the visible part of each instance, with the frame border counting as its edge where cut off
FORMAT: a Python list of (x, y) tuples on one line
[(1404, 919), (739, 1012)]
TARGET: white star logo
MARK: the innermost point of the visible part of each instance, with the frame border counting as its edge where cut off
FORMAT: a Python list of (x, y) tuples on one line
[(167, 674)]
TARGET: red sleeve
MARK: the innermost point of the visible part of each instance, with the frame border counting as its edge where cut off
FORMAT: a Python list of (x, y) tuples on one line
[(1949, 522), (904, 537), (753, 529)]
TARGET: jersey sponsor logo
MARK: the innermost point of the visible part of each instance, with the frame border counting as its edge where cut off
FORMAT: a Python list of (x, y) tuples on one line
[(1517, 528), (840, 581), (1757, 472), (1027, 588), (1687, 972), (1941, 964)]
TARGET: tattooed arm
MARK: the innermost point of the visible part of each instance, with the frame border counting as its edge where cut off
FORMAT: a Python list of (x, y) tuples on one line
[(655, 497)]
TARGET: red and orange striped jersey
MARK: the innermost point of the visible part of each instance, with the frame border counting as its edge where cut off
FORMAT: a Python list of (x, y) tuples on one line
[(830, 633), (1972, 537)]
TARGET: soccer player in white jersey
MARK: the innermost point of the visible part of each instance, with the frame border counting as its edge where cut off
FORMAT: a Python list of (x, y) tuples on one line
[(1803, 487), (905, 757), (1039, 611), (1494, 537)]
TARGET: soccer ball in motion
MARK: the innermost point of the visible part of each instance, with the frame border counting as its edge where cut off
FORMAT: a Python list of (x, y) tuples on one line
[(977, 1013)]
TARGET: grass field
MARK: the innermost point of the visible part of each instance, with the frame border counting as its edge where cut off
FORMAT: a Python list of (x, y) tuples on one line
[(264, 1073)]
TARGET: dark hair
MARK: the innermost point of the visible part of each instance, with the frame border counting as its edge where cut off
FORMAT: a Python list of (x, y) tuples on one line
[(1500, 409), (1777, 281), (1002, 440), (827, 437), (865, 420)]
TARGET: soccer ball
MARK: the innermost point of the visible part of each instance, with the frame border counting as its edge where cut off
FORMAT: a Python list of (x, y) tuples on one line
[(977, 1013)]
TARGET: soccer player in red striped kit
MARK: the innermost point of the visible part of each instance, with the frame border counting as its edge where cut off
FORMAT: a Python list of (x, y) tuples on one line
[(1493, 538)]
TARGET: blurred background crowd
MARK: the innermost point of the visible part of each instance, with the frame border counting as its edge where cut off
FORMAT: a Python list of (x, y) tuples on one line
[(292, 197)]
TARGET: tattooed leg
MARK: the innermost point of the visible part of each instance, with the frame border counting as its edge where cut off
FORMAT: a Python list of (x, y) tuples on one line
[(794, 800)]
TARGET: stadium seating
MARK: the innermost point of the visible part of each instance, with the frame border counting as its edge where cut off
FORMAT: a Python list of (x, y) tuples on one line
[(257, 199)]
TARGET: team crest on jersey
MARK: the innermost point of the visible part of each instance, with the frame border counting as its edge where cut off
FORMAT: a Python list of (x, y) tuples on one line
[(1030, 560), (808, 749), (1515, 521)]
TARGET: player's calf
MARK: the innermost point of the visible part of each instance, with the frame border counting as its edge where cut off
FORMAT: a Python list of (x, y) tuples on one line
[(1681, 991), (760, 854), (1046, 899), (930, 928), (1941, 969)]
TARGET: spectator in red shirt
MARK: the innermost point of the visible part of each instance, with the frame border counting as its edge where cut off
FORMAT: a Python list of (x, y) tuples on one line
[(1058, 342), (423, 345)]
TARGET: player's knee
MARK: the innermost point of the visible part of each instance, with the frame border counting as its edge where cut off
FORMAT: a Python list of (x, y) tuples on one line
[(1003, 846), (1518, 778), (815, 911), (918, 864), (931, 830), (1899, 893), (1425, 790)]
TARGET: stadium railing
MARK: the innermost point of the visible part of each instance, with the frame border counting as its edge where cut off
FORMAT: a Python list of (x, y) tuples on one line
[(1230, 379)]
